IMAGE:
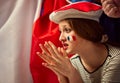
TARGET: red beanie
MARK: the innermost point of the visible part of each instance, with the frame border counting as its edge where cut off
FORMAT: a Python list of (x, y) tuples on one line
[(80, 9)]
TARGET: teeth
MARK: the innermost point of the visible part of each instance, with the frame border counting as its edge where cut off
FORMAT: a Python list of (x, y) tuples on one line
[(65, 44)]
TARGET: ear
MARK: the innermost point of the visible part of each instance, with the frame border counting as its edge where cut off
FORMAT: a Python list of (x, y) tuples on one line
[(104, 38)]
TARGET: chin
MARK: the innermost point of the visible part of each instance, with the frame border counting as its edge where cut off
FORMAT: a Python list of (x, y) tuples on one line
[(69, 52)]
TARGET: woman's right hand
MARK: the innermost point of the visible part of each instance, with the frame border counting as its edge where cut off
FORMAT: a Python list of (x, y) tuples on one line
[(57, 60)]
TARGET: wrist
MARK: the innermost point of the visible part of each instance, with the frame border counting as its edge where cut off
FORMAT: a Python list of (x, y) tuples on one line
[(75, 77), (62, 79)]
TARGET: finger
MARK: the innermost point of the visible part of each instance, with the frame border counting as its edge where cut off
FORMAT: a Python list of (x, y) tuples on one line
[(59, 50), (61, 53), (50, 49), (44, 50), (54, 49), (107, 2), (64, 53), (102, 1), (113, 12), (45, 54), (52, 67), (46, 58), (107, 6), (49, 55)]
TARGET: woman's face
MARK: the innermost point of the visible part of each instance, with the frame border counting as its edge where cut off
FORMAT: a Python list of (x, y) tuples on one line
[(70, 40)]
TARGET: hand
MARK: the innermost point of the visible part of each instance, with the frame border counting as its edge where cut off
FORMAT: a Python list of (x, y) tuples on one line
[(111, 8), (56, 59)]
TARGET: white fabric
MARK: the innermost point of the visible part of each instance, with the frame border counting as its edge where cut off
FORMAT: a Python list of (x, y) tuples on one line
[(73, 12), (16, 20), (38, 10)]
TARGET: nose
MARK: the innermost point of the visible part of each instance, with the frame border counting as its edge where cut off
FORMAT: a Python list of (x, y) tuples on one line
[(62, 37)]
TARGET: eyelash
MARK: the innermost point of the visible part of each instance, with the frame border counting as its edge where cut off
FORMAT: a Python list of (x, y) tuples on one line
[(67, 30)]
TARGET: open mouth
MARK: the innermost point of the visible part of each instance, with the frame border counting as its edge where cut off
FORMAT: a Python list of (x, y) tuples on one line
[(65, 46)]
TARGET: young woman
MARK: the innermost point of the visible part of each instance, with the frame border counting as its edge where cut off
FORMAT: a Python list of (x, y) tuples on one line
[(94, 60)]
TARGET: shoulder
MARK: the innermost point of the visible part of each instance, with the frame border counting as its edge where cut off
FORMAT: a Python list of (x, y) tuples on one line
[(75, 58), (111, 70), (114, 51), (114, 56)]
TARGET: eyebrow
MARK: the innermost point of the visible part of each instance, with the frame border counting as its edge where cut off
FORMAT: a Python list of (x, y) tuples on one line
[(64, 26)]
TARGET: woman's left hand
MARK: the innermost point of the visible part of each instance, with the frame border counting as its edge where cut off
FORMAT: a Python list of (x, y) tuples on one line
[(56, 59)]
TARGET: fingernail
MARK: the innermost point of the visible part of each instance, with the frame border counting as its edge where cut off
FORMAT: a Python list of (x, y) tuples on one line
[(37, 53), (40, 44)]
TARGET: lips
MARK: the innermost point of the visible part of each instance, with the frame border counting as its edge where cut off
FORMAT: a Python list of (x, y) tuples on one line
[(65, 46)]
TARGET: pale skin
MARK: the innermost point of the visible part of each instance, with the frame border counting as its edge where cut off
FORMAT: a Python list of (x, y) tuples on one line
[(57, 60), (111, 8)]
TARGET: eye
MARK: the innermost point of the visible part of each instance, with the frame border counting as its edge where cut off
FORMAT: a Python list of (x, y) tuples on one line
[(67, 30)]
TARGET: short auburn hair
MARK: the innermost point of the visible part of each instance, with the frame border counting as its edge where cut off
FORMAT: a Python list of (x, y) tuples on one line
[(88, 29)]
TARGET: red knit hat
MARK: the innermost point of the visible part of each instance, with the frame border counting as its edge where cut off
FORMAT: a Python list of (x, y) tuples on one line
[(80, 9)]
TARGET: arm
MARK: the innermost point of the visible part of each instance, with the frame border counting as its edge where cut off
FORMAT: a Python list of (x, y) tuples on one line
[(62, 79), (58, 61), (75, 77)]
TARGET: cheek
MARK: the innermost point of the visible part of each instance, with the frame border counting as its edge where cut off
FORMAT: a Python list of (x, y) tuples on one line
[(71, 38)]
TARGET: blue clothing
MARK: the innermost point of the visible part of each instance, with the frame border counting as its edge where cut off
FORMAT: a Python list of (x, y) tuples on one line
[(80, 0)]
